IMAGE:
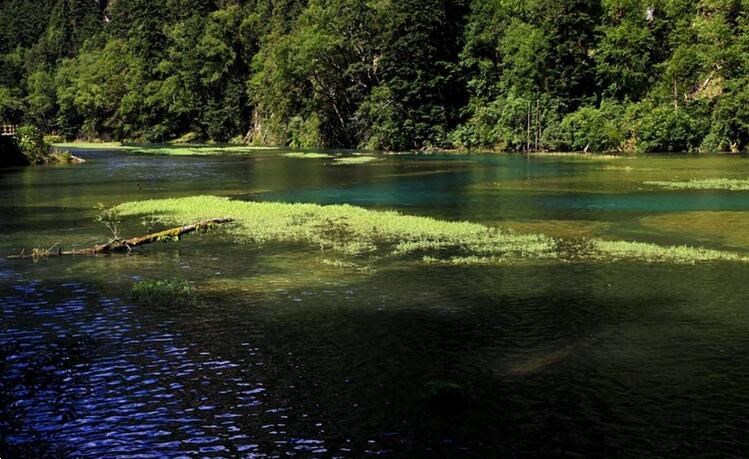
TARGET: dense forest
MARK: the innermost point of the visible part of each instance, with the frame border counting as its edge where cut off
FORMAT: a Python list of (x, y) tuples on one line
[(597, 75)]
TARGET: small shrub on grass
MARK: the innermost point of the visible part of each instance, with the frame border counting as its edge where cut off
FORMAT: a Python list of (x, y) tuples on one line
[(164, 293)]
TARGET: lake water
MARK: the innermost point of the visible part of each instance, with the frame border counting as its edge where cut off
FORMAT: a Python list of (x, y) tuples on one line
[(287, 356)]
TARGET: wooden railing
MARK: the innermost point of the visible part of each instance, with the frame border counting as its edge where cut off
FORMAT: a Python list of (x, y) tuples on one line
[(8, 130)]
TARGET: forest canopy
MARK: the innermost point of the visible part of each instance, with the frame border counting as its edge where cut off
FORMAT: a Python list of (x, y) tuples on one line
[(594, 75)]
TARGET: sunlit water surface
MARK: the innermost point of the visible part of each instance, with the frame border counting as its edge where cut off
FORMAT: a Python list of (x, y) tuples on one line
[(285, 355)]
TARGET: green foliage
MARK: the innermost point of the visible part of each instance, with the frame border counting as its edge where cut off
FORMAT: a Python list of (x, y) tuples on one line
[(32, 144), (660, 75), (626, 51), (421, 88), (665, 129), (11, 105), (594, 129), (53, 139), (304, 133), (729, 130), (159, 293)]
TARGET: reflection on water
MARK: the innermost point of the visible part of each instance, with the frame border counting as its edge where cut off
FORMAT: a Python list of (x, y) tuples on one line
[(284, 355)]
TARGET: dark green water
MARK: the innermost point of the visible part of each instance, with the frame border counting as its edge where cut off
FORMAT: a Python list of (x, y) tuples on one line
[(285, 355)]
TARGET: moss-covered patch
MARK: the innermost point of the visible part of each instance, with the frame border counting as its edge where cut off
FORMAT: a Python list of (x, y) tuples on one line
[(704, 184), (355, 231)]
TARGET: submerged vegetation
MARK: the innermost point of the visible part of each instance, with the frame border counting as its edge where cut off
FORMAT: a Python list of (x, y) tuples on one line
[(704, 184), (356, 231), (164, 293), (640, 75)]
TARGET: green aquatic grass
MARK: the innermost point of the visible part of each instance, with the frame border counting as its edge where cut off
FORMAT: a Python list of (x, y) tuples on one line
[(704, 184), (349, 160), (346, 229), (163, 293), (625, 250), (300, 155), (355, 231)]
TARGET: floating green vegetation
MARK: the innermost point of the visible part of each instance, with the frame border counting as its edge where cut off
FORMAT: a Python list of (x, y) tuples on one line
[(300, 155), (346, 229), (653, 253), (163, 293), (577, 155), (355, 160), (193, 150), (355, 231), (464, 261), (704, 184)]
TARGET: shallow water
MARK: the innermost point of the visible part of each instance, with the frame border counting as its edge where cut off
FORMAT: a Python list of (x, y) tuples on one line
[(287, 355)]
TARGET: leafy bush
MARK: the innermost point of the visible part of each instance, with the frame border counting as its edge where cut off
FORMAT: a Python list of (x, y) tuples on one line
[(304, 132), (729, 130), (163, 293), (594, 129), (665, 129), (32, 144), (503, 123)]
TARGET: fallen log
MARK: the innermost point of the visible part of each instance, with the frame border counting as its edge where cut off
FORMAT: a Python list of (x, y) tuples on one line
[(128, 245)]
